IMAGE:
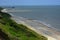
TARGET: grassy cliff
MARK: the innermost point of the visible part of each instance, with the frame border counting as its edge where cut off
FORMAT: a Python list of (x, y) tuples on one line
[(10, 30)]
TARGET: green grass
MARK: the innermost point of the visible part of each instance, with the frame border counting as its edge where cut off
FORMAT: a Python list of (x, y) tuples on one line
[(17, 31), (21, 34)]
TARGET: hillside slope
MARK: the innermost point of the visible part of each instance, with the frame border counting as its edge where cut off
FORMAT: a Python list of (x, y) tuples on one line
[(10, 30)]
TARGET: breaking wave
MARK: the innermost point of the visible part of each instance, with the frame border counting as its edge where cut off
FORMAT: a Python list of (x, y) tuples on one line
[(34, 21), (15, 10)]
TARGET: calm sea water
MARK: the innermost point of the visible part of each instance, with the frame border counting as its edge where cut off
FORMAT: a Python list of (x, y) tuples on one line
[(47, 14)]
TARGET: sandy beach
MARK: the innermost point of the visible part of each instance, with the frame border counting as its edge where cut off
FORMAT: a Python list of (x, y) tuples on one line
[(50, 33)]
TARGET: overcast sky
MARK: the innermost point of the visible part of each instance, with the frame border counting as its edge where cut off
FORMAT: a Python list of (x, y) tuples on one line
[(29, 2)]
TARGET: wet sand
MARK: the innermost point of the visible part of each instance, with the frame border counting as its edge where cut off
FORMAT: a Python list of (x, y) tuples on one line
[(38, 27), (50, 33)]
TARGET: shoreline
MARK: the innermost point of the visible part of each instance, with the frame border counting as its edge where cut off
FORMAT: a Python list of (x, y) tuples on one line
[(38, 29), (5, 10), (32, 28)]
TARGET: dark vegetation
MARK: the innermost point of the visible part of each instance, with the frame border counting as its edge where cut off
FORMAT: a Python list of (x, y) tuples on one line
[(10, 30)]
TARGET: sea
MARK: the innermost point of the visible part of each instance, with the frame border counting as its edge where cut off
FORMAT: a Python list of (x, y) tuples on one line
[(49, 15)]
